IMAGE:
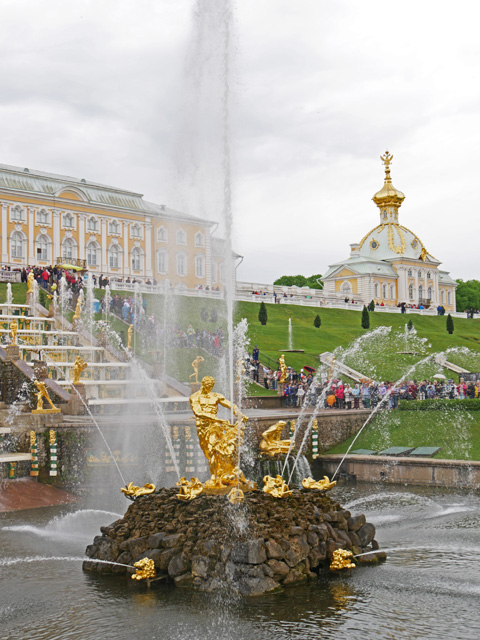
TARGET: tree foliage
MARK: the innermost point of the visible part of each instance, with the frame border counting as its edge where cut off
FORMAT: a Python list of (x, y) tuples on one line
[(300, 281), (410, 325), (468, 295), (371, 306), (317, 322), (365, 318), (262, 314), (450, 326)]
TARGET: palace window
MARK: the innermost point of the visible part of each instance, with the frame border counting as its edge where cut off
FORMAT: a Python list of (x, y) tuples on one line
[(449, 297), (113, 256), (214, 272), (442, 296), (41, 248), (42, 217), (16, 244), (384, 291), (409, 273), (17, 214), (92, 225), (136, 259), (136, 231), (199, 239), (420, 292), (181, 264), (377, 290), (200, 266), (346, 288), (68, 221), (420, 274), (92, 253), (162, 234), (428, 275), (162, 258), (410, 292), (181, 237), (114, 227), (69, 248), (429, 293), (392, 291)]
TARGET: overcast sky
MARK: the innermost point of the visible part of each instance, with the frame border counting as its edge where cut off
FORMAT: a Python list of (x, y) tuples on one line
[(319, 89)]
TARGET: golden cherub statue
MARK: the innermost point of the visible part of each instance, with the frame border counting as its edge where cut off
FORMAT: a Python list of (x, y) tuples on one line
[(41, 396), (320, 485), (196, 364), (129, 337), (78, 310), (78, 366), (132, 491), (276, 487), (189, 490), (219, 439), (145, 569), (13, 331), (271, 444), (30, 280), (283, 368)]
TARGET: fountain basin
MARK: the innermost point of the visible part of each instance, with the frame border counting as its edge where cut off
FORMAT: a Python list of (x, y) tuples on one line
[(257, 547)]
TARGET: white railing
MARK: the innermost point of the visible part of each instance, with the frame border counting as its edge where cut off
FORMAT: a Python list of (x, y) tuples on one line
[(116, 285)]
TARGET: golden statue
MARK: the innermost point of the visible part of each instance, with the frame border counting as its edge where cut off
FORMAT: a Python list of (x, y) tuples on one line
[(283, 368), (240, 370), (129, 337), (78, 310), (13, 331), (145, 569), (30, 280), (342, 559), (270, 444), (236, 495), (132, 492), (78, 366), (189, 490), (41, 396), (332, 367), (276, 487), (423, 254), (196, 364), (219, 439), (320, 485)]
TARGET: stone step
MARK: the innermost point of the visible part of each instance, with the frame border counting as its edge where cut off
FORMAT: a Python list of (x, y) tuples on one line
[(14, 457)]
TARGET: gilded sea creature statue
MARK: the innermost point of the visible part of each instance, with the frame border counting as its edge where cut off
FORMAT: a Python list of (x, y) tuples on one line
[(271, 444), (145, 569), (131, 491), (276, 487), (189, 490), (219, 439), (342, 559), (78, 366), (320, 485)]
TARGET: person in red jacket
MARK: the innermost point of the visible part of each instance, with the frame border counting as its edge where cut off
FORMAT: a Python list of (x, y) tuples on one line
[(340, 397)]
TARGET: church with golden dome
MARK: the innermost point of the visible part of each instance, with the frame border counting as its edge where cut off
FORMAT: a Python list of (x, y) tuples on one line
[(391, 265)]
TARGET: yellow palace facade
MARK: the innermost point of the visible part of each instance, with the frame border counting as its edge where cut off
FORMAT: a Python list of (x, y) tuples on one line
[(48, 219), (391, 265)]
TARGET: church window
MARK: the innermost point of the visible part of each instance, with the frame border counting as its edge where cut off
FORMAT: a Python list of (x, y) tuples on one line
[(410, 292), (442, 296), (392, 291), (429, 293), (16, 244), (415, 244), (377, 290), (449, 297), (374, 244), (384, 213), (384, 291)]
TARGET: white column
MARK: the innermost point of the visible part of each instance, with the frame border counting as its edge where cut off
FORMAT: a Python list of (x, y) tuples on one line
[(208, 258), (126, 263), (4, 232), (415, 297), (148, 249), (56, 236), (81, 236), (31, 231), (104, 246)]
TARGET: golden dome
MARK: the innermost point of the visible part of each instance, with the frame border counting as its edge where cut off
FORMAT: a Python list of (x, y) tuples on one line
[(388, 195)]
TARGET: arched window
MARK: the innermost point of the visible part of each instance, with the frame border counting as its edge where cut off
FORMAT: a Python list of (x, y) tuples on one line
[(384, 291), (420, 274), (162, 234), (377, 290), (428, 275), (392, 291), (162, 262), (449, 297), (17, 213), (69, 248), (181, 264), (410, 292), (420, 292), (409, 273), (136, 231), (114, 227), (113, 256), (346, 288), (17, 241), (181, 237), (442, 296), (199, 239), (200, 266), (41, 248), (68, 221), (429, 293), (214, 272), (42, 217), (136, 259), (92, 253), (92, 224)]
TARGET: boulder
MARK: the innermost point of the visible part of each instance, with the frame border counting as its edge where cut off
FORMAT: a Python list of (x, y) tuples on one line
[(274, 550), (366, 534), (155, 540), (257, 586), (355, 523), (280, 569), (249, 552), (178, 565), (299, 550), (136, 546)]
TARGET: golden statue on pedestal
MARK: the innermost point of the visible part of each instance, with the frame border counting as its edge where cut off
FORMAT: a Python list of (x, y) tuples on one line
[(270, 444), (78, 366), (219, 439), (276, 487), (320, 485), (283, 368), (196, 364), (78, 311), (129, 337), (13, 331), (30, 280), (41, 396)]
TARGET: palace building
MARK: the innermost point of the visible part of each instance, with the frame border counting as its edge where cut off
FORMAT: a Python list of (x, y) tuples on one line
[(391, 265), (52, 219)]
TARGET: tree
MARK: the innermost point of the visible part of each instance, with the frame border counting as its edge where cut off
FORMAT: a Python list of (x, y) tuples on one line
[(300, 281), (371, 306), (450, 326), (410, 325), (262, 314), (317, 322), (365, 318), (468, 295)]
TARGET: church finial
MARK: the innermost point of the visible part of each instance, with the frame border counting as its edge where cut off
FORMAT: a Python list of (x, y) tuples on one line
[(386, 159)]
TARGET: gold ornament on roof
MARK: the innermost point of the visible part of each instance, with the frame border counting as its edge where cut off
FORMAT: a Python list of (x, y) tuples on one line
[(271, 443), (189, 489), (131, 491), (145, 569), (276, 487), (78, 367), (320, 485), (342, 559)]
